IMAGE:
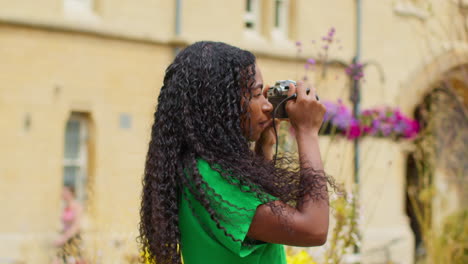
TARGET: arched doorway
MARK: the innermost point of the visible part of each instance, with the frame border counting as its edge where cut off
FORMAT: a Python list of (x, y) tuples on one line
[(437, 169)]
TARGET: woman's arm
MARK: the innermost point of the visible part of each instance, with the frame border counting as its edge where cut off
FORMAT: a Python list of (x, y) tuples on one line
[(307, 223), (75, 226)]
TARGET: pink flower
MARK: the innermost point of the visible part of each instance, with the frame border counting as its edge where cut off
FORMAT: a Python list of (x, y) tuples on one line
[(379, 121), (354, 130), (412, 129)]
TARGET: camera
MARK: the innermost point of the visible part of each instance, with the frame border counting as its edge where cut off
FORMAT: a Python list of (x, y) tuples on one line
[(279, 92)]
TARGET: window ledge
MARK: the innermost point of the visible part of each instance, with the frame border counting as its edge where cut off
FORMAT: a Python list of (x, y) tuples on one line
[(254, 38), (410, 10), (82, 15), (278, 35), (97, 28)]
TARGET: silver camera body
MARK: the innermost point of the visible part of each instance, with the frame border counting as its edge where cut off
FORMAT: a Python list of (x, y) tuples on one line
[(279, 92), (276, 94), (281, 88)]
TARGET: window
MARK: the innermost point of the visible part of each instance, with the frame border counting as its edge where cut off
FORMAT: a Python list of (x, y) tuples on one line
[(78, 6), (252, 11), (412, 8), (75, 169), (281, 18)]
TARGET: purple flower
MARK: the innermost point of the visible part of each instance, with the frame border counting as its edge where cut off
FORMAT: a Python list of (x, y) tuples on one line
[(355, 71), (311, 61), (298, 43), (343, 117), (375, 127), (332, 109), (400, 127), (380, 121), (385, 129)]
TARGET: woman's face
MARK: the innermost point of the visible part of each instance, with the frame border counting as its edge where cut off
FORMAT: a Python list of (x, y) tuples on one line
[(67, 194), (259, 109)]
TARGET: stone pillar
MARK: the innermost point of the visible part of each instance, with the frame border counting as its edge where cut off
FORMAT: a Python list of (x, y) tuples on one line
[(386, 233)]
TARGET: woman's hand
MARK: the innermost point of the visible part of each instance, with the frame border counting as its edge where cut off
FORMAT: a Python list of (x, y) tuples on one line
[(305, 112), (268, 137), (60, 241), (306, 116), (264, 145)]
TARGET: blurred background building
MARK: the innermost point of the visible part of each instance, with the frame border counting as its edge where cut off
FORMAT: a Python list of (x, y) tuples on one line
[(79, 81)]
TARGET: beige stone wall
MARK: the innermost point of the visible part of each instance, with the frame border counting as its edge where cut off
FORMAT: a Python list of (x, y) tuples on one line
[(48, 80), (150, 19), (112, 61)]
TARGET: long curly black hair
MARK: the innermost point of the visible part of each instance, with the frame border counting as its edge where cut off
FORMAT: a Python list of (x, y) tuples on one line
[(199, 114)]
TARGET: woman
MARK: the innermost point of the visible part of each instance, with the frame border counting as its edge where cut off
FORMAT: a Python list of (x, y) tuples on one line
[(207, 197), (69, 240)]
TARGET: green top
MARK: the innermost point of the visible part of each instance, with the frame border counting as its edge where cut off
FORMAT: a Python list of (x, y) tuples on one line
[(203, 243)]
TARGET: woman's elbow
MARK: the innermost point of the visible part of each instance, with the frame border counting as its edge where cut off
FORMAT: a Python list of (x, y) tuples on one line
[(315, 239), (321, 239)]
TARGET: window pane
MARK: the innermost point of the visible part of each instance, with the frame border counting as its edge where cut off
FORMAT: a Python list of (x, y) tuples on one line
[(70, 174), (278, 10), (72, 139), (248, 5)]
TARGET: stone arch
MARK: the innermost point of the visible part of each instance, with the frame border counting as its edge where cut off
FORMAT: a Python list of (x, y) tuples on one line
[(430, 73), (445, 76)]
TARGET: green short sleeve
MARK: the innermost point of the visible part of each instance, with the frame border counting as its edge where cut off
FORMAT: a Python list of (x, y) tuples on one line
[(236, 207)]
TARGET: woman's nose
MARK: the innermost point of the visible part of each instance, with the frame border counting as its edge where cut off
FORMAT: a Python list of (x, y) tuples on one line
[(267, 107)]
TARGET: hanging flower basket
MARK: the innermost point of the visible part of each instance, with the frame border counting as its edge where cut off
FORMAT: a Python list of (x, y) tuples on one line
[(377, 122)]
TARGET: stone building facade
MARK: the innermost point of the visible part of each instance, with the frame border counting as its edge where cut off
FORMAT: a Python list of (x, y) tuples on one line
[(79, 81)]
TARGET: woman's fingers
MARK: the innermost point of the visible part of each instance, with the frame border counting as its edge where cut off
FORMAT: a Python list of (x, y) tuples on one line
[(313, 94), (292, 89), (301, 90)]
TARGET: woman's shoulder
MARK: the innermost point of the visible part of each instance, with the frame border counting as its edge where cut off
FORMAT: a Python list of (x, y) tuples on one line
[(213, 173), (207, 169)]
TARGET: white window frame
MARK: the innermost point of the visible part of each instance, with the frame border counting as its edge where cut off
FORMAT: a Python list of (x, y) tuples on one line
[(253, 16), (410, 9), (81, 161), (80, 9), (281, 30)]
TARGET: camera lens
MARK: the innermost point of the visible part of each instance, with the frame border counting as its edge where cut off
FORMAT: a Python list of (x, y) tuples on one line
[(277, 92)]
